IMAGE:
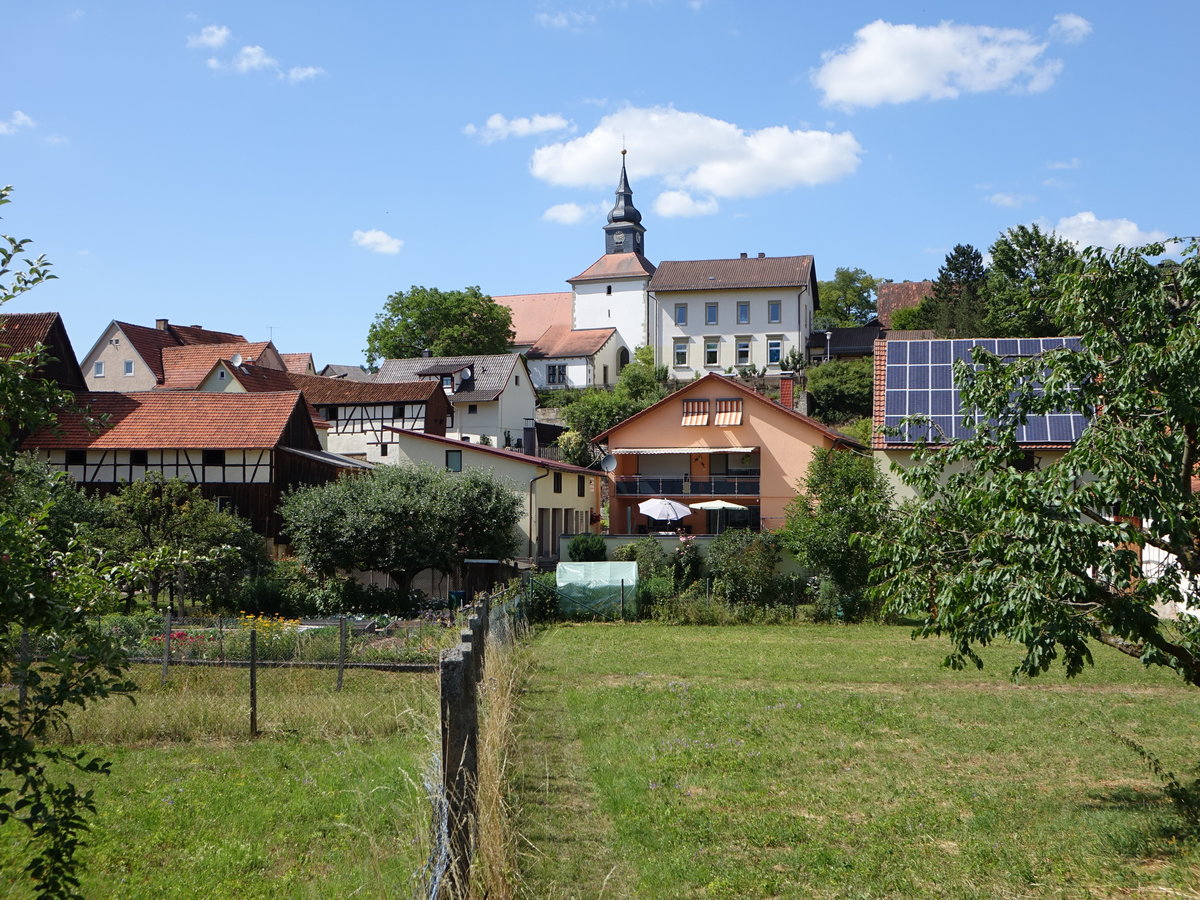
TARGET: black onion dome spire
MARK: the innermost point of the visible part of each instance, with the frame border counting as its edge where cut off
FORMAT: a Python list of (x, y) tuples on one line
[(624, 231)]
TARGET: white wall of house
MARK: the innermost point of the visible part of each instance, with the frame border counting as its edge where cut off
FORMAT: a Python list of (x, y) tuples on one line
[(698, 332), (567, 372), (358, 430), (113, 365), (508, 412), (895, 461), (112, 466), (621, 304)]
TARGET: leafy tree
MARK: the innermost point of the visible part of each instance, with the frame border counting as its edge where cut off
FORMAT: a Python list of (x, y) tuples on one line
[(742, 564), (49, 585), (446, 323), (841, 389), (915, 318), (846, 301), (1050, 557), (956, 305), (1022, 282), (402, 520), (835, 520), (183, 542), (640, 384), (575, 449)]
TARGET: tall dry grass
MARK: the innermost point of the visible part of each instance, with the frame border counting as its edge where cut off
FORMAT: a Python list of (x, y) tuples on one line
[(494, 874)]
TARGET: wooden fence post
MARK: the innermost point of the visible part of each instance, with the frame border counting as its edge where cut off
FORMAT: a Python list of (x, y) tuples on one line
[(460, 735)]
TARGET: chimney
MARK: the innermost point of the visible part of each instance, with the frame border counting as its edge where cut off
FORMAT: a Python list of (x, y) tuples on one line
[(762, 256), (160, 324), (427, 353), (787, 389), (743, 256)]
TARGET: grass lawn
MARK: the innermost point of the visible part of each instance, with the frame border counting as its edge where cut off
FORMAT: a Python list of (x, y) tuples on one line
[(327, 803), (824, 762)]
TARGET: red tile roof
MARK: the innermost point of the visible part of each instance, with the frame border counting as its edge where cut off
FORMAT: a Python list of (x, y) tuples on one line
[(150, 342), (195, 334), (21, 332), (532, 314), (184, 368), (721, 274), (173, 420), (326, 391), (563, 342), (615, 265), (299, 363), (893, 295), (734, 384)]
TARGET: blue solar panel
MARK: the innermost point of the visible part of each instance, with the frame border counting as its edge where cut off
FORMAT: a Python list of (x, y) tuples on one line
[(920, 381)]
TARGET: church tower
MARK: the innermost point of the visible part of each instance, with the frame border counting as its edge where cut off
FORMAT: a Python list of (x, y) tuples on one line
[(624, 231)]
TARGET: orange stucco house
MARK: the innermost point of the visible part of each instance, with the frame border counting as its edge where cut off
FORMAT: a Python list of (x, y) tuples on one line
[(715, 439)]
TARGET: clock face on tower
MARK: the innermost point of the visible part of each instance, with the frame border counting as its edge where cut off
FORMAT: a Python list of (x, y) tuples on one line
[(637, 240)]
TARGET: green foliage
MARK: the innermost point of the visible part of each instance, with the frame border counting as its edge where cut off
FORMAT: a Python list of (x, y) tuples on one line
[(841, 389), (686, 562), (178, 540), (446, 323), (956, 305), (742, 565), (640, 384), (50, 584), (648, 553), (587, 548), (1022, 282), (401, 520), (859, 429), (846, 301), (833, 524), (992, 550), (915, 318), (575, 449)]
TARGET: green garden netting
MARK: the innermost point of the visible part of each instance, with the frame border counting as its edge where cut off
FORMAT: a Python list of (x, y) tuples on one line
[(602, 589)]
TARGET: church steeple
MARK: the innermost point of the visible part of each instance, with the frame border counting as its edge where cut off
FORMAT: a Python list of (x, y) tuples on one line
[(623, 233)]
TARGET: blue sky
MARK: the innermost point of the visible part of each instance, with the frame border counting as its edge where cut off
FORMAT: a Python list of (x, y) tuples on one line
[(278, 169)]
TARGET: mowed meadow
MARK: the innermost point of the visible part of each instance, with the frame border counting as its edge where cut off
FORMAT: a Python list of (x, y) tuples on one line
[(823, 762)]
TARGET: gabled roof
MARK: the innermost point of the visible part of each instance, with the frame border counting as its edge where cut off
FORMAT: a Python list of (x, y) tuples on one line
[(149, 343), (491, 372), (173, 420), (299, 363), (500, 452), (723, 274), (349, 373), (335, 391), (21, 332), (893, 295), (737, 387), (845, 341), (533, 314), (615, 265), (564, 342), (259, 379), (184, 368)]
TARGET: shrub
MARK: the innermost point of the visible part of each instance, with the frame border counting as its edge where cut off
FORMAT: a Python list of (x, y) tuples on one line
[(543, 598), (587, 548), (651, 558), (742, 564), (687, 562)]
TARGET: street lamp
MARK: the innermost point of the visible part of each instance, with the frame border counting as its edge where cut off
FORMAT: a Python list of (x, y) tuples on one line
[(828, 344)]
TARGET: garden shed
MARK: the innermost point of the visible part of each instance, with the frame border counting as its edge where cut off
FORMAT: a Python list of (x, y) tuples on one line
[(597, 589)]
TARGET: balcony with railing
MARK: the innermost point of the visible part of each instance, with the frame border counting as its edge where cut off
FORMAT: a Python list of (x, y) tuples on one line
[(678, 486)]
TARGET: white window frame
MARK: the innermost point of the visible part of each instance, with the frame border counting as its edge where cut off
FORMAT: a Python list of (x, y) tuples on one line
[(742, 346), (129, 367), (98, 369), (681, 314), (680, 356), (743, 312), (712, 345), (774, 346)]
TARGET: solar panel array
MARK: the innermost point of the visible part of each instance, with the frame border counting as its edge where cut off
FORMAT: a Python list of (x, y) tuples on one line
[(919, 381)]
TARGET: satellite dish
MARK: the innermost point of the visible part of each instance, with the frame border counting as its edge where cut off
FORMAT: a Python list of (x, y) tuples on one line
[(468, 373), (236, 360), (609, 463)]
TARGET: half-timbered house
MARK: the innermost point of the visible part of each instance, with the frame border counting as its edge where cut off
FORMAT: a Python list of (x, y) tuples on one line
[(23, 332)]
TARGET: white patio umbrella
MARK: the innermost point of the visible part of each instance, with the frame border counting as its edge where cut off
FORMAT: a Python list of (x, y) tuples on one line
[(720, 506), (662, 509)]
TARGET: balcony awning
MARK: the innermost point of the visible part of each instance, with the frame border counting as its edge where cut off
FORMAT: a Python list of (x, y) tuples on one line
[(663, 451)]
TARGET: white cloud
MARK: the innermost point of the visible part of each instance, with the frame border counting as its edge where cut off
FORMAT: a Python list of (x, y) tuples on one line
[(697, 154), (303, 73), (378, 241), (1011, 201), (572, 213), (16, 122), (673, 204), (252, 58), (498, 128), (209, 36), (565, 19), (1070, 28), (899, 63), (1072, 163), (1086, 230), (1053, 183)]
